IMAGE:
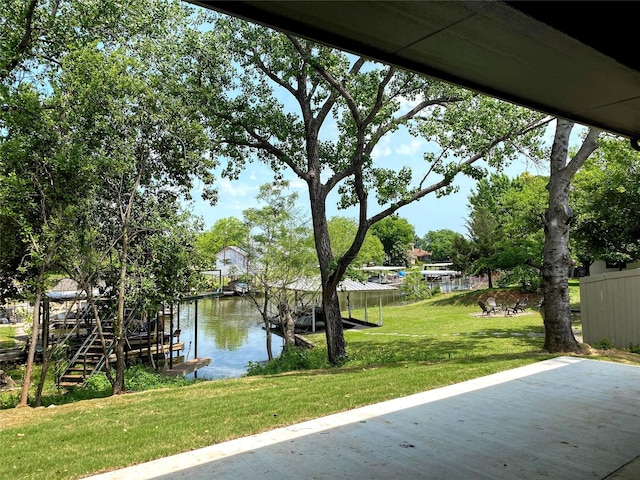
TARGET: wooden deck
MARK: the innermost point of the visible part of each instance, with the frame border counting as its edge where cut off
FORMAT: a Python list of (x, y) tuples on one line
[(153, 349), (13, 355), (185, 368)]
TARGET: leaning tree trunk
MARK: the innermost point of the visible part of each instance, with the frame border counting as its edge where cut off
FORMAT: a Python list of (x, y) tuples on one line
[(35, 331), (336, 343), (559, 335), (118, 386)]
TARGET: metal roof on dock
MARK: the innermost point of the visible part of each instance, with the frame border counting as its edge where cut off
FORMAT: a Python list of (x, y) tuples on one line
[(346, 285)]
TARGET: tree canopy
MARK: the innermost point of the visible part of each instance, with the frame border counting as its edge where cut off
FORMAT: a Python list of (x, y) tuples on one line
[(396, 235), (342, 231), (441, 244), (225, 232), (606, 199), (505, 228), (280, 253), (93, 120), (318, 113)]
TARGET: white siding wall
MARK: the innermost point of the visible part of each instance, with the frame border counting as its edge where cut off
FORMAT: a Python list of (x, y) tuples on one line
[(231, 257)]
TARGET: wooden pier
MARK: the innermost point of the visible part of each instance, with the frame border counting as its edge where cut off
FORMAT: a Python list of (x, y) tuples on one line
[(185, 368), (13, 355), (151, 349)]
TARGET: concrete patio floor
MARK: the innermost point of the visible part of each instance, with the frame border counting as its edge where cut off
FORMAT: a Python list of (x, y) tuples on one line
[(566, 418)]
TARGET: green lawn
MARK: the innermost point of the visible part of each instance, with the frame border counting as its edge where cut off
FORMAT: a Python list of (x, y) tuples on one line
[(7, 334), (420, 346)]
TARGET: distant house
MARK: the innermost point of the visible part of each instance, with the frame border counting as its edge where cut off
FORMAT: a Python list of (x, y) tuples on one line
[(419, 255), (232, 261)]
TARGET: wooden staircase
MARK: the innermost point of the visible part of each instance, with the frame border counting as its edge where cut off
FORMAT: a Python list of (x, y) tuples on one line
[(90, 358)]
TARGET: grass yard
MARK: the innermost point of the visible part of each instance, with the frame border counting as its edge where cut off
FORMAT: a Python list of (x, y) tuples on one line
[(7, 334), (444, 328), (421, 346)]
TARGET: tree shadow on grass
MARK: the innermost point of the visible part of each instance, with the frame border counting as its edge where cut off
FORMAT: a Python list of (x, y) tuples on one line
[(404, 348), (441, 357)]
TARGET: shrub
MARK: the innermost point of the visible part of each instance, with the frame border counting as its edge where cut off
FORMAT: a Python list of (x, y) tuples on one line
[(294, 358), (604, 344), (525, 277)]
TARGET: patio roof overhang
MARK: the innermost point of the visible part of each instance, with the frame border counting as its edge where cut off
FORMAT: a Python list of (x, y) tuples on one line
[(570, 59)]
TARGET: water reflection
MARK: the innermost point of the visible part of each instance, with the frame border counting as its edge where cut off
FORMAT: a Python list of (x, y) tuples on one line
[(230, 331)]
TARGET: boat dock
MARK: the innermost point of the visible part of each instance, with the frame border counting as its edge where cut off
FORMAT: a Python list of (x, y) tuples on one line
[(155, 349), (185, 368)]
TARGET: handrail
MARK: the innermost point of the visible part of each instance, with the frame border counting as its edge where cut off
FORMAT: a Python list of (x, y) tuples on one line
[(83, 351)]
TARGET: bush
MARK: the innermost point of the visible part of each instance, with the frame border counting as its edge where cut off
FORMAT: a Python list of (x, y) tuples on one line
[(138, 378), (293, 358), (604, 344), (414, 287), (527, 278)]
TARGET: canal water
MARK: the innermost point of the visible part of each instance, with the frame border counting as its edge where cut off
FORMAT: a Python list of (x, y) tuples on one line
[(229, 331)]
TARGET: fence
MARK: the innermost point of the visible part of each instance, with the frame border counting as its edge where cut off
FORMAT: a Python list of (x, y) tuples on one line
[(610, 308)]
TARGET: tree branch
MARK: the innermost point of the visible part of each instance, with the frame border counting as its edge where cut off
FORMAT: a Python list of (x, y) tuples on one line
[(260, 143), (337, 86), (420, 193), (331, 100), (25, 41), (589, 145)]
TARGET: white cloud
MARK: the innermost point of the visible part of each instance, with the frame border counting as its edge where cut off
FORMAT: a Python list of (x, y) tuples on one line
[(382, 148), (235, 188), (297, 184), (414, 147)]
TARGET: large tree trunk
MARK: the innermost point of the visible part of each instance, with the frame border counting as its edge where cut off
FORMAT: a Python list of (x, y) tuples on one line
[(336, 344), (555, 274), (559, 335)]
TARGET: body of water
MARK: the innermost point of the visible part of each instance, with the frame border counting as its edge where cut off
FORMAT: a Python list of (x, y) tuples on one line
[(230, 333)]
